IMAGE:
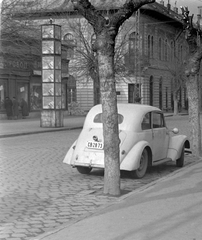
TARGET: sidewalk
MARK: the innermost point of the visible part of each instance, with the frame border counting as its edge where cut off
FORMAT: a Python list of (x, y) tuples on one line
[(168, 209), (10, 128)]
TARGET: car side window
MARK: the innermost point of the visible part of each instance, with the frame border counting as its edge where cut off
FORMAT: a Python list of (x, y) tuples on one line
[(158, 120), (146, 122)]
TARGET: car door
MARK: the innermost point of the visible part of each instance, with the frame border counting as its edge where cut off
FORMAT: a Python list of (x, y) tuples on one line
[(160, 136)]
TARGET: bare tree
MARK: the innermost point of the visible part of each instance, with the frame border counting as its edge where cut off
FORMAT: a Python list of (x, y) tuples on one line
[(178, 83), (192, 82), (19, 38), (85, 61), (19, 35), (106, 30)]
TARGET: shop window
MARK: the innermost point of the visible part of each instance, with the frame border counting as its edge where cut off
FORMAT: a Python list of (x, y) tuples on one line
[(22, 91), (35, 96), (3, 93)]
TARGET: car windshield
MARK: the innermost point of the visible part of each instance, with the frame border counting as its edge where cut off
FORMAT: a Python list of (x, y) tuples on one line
[(98, 118)]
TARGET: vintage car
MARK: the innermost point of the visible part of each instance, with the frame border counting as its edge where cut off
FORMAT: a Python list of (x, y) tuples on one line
[(144, 141)]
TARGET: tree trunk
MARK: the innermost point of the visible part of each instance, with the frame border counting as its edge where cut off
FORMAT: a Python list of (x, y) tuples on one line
[(110, 125), (106, 30), (194, 114)]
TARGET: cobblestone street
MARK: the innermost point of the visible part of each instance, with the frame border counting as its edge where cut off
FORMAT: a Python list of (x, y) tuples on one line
[(39, 193)]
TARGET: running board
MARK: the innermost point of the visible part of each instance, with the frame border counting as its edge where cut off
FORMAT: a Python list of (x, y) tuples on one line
[(161, 161)]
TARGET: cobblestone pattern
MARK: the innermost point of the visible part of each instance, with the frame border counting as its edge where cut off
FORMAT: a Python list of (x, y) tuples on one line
[(39, 193)]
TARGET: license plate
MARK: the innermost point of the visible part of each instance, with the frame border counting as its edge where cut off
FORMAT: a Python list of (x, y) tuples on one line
[(95, 145)]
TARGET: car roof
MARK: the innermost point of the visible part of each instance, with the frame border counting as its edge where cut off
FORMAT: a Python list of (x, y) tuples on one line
[(132, 113)]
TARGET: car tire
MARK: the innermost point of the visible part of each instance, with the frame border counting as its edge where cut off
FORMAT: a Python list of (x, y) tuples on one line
[(180, 161), (84, 170), (141, 171)]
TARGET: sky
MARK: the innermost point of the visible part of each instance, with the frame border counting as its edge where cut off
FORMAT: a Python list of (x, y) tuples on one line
[(191, 4)]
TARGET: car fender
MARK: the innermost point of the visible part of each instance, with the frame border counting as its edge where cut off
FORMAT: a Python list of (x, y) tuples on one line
[(132, 159), (69, 154), (175, 146)]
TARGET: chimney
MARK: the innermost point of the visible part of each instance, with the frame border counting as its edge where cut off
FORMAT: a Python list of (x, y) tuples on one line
[(168, 5), (162, 2), (175, 9)]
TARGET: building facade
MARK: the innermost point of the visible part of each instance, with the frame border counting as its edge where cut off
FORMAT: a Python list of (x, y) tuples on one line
[(153, 49)]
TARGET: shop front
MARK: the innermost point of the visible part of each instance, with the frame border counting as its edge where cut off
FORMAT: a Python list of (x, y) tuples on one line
[(17, 80)]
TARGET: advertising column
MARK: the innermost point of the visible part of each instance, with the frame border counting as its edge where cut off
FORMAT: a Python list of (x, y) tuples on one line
[(51, 114)]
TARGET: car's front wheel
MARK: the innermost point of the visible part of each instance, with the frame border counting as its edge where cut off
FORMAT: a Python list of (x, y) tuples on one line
[(180, 161), (84, 170), (140, 172)]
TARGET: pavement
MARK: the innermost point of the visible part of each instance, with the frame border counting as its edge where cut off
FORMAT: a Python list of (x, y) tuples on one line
[(11, 128), (169, 208)]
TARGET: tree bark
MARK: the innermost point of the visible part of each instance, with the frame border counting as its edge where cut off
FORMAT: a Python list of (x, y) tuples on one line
[(194, 114), (110, 116), (191, 71)]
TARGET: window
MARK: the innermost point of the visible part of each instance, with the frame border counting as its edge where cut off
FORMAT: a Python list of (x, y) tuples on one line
[(166, 50), (133, 42), (166, 98), (35, 96), (146, 122), (69, 36), (160, 93), (98, 118), (181, 53), (134, 50), (3, 93), (160, 49), (158, 120), (152, 46), (149, 46), (22, 91), (151, 91), (71, 94), (172, 51)]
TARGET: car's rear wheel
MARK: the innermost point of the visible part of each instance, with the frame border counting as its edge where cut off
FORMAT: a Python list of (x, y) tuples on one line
[(84, 170), (180, 161), (140, 172)]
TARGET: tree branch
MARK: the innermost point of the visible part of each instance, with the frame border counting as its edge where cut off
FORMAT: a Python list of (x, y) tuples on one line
[(87, 10), (95, 18), (127, 10)]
